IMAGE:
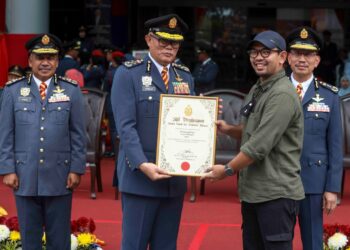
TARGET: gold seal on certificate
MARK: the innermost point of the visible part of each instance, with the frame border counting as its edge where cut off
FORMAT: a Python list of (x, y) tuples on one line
[(186, 134)]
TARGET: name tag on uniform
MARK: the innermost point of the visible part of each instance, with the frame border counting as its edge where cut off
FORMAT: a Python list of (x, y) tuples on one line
[(24, 99), (148, 88)]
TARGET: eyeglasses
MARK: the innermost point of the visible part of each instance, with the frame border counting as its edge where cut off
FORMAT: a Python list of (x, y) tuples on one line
[(253, 53), (164, 43), (307, 54)]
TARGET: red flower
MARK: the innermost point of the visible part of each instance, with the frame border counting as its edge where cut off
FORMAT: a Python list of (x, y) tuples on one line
[(92, 226), (329, 230), (12, 223), (74, 226), (85, 225), (2, 220)]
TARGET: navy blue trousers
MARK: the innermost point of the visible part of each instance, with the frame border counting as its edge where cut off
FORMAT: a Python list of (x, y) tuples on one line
[(49, 213), (311, 222), (150, 222), (269, 225)]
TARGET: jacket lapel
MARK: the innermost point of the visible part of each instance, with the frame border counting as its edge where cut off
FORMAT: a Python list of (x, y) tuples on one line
[(50, 89), (157, 79), (34, 89), (171, 80), (309, 93)]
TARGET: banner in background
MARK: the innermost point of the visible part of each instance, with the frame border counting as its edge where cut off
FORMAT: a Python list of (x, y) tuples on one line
[(3, 60), (2, 16)]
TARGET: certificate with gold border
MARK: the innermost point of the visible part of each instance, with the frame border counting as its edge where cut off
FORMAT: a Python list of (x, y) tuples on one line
[(186, 134)]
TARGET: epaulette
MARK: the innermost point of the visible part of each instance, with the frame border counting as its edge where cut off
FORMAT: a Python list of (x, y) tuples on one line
[(181, 66), (71, 81), (328, 86), (132, 63), (15, 80)]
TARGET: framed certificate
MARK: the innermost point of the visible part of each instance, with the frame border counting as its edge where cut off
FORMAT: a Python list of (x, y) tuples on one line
[(186, 134)]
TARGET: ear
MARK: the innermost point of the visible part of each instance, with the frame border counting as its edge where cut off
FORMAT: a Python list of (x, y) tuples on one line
[(30, 60), (148, 39), (317, 61), (289, 58), (283, 56)]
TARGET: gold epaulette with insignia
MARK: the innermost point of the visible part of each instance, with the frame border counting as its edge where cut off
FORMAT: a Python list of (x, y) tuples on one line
[(328, 86), (181, 66), (14, 81), (71, 81), (132, 63)]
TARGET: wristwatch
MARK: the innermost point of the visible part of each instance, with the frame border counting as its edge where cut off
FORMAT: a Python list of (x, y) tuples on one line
[(229, 171)]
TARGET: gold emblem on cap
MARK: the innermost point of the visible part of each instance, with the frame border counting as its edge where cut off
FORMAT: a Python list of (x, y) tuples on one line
[(304, 34), (172, 23), (45, 40)]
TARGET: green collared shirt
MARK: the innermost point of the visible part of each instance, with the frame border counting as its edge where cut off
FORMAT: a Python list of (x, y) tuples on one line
[(273, 137)]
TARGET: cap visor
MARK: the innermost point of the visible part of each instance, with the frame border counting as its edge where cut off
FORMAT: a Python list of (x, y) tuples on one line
[(45, 51), (170, 37), (304, 46)]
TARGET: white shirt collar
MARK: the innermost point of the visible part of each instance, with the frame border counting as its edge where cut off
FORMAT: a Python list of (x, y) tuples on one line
[(38, 82), (206, 61), (159, 67), (305, 84)]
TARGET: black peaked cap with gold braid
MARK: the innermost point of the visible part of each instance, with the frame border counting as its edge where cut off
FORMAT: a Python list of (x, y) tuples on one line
[(304, 38), (16, 70), (169, 27), (44, 44)]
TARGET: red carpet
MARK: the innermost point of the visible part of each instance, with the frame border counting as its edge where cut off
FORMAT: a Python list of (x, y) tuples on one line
[(212, 222)]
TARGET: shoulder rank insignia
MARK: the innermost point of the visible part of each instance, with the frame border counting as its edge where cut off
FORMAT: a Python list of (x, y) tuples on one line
[(15, 80), (181, 66), (132, 63), (73, 82), (328, 86)]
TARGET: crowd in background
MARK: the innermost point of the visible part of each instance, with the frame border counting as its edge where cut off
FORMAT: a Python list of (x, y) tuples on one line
[(93, 65)]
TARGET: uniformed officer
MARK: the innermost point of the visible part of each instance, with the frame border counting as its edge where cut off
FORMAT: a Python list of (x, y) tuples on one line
[(321, 159), (15, 72), (151, 200), (69, 61), (42, 143), (94, 72), (206, 70), (115, 58)]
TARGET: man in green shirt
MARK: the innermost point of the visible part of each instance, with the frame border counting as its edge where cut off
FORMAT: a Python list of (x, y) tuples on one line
[(270, 186)]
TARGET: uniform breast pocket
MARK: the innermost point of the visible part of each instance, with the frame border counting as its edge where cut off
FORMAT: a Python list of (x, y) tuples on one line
[(148, 105), (316, 122), (59, 112), (25, 113)]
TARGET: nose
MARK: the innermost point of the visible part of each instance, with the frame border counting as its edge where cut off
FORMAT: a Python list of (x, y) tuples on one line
[(45, 62), (302, 57)]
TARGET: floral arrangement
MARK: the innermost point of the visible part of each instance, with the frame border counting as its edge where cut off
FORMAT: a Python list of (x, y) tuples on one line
[(336, 237), (82, 236)]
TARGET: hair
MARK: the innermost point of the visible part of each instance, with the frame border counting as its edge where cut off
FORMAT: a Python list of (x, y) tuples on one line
[(345, 78), (97, 60)]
